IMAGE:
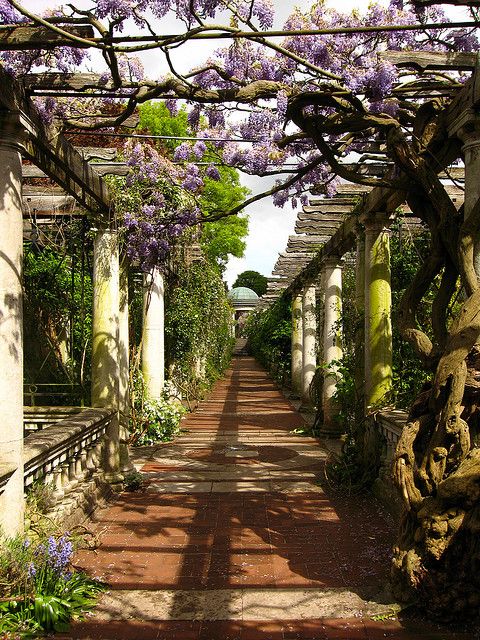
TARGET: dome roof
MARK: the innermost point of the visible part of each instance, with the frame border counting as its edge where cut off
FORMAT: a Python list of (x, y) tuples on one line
[(242, 294)]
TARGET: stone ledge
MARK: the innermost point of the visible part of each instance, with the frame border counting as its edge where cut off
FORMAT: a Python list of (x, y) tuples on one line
[(6, 472), (49, 442)]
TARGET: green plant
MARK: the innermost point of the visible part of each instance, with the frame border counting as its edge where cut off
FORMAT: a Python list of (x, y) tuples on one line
[(39, 498), (197, 327), (152, 420), (133, 481), (269, 335), (39, 591)]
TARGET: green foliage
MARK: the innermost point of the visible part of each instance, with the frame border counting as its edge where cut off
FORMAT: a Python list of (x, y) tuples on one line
[(39, 498), (269, 334), (58, 295), (156, 119), (221, 238), (39, 591), (252, 280), (224, 238), (407, 253), (197, 326), (153, 420), (133, 481)]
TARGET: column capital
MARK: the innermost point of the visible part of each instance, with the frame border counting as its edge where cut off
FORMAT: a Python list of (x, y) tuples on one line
[(466, 127), (13, 130), (377, 221), (332, 262)]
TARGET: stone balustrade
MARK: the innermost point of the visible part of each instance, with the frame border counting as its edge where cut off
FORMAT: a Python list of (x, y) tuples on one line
[(67, 455), (38, 418), (389, 424)]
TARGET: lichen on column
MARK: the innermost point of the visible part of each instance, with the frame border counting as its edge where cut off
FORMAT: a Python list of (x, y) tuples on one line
[(105, 342), (378, 303), (297, 345)]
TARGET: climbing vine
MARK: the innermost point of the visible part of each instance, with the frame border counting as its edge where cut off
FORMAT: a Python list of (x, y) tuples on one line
[(269, 335), (58, 289), (198, 338)]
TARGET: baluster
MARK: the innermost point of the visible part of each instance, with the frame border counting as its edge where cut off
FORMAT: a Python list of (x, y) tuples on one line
[(58, 491), (65, 477)]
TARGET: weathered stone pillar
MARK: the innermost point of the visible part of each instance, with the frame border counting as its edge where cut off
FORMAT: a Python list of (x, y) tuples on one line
[(124, 366), (105, 343), (332, 342), (11, 336), (360, 328), (378, 302), (153, 350), (467, 128), (297, 345), (309, 331)]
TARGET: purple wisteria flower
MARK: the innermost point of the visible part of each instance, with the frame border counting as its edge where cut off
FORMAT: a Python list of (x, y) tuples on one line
[(199, 149), (182, 152), (212, 172)]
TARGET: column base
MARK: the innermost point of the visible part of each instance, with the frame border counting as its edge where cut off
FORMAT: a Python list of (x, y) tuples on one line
[(128, 467), (330, 431), (114, 479)]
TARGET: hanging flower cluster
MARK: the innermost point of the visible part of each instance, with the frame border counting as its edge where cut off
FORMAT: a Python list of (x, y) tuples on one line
[(159, 204)]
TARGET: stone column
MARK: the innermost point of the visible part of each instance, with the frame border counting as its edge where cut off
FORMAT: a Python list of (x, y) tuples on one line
[(153, 350), (309, 330), (378, 302), (360, 328), (124, 365), (11, 316), (297, 345), (467, 128), (332, 342), (105, 343)]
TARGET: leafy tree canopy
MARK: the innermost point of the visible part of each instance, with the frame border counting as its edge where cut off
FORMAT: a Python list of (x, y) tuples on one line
[(224, 237), (253, 280)]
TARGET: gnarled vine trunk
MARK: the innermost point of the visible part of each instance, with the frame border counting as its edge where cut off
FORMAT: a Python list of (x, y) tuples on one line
[(437, 464)]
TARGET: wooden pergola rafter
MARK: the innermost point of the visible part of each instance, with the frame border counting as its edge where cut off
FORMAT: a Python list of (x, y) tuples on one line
[(50, 151)]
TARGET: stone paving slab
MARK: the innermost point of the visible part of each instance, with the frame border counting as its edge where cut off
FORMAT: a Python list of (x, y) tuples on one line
[(236, 604), (311, 629), (236, 538)]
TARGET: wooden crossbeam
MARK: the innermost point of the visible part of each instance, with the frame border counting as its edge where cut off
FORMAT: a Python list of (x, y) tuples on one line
[(21, 37), (50, 206), (434, 60), (329, 208), (100, 168), (51, 151)]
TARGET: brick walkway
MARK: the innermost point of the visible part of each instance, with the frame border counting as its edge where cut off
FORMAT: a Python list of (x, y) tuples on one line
[(235, 539)]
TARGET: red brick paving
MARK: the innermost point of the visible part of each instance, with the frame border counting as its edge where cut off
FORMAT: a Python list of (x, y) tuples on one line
[(243, 540)]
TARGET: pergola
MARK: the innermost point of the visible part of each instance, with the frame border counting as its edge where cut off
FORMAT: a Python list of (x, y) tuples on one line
[(86, 449), (356, 220)]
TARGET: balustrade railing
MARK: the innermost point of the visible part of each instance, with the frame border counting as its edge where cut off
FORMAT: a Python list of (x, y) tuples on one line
[(389, 424), (68, 452), (38, 418)]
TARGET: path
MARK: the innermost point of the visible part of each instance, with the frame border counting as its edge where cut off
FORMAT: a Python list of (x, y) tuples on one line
[(234, 538)]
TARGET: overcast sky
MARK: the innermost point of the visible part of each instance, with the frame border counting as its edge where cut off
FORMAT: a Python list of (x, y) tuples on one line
[(269, 226)]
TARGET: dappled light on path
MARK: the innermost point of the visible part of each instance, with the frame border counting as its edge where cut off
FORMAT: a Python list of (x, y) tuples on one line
[(235, 536)]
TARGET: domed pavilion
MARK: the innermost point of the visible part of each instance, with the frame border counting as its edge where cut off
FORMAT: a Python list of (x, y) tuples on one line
[(243, 301)]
